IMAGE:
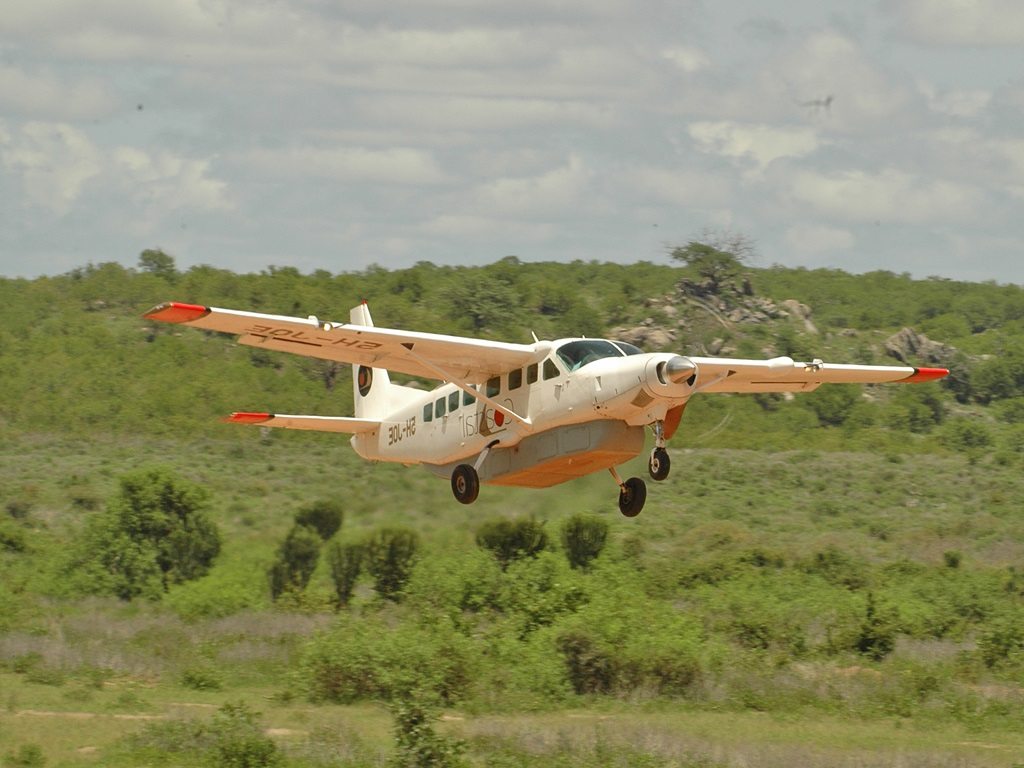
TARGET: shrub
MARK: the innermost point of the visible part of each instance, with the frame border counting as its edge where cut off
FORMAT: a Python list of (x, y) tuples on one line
[(877, 634), (12, 538), (583, 538), (324, 517), (418, 744), (389, 555), (296, 560), (27, 756), (346, 562), (233, 738), (153, 534), (510, 540)]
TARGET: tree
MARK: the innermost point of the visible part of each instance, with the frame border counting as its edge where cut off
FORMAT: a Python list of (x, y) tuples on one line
[(346, 562), (296, 560), (510, 540), (153, 534), (158, 263), (323, 516), (389, 556), (716, 267), (583, 538)]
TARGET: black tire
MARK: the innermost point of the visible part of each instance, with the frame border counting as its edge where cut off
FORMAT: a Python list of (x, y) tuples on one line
[(659, 464), (465, 484), (632, 497)]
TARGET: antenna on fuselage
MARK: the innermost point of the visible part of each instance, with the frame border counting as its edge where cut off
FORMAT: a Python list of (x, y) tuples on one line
[(535, 339)]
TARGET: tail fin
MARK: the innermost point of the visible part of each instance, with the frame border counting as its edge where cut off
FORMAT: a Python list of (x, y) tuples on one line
[(370, 385)]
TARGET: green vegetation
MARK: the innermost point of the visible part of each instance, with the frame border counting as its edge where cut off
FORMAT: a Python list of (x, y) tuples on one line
[(832, 578)]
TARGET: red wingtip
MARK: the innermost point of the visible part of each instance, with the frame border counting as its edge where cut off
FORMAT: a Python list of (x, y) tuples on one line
[(177, 312), (249, 418), (926, 374)]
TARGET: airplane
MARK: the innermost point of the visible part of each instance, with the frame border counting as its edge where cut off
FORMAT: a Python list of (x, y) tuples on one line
[(532, 415)]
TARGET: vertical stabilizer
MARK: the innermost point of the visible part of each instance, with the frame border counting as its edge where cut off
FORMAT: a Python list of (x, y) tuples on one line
[(370, 385)]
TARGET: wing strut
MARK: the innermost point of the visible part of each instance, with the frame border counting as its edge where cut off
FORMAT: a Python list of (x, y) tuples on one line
[(527, 425)]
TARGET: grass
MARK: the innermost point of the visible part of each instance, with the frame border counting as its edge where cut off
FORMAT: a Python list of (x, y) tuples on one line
[(91, 672)]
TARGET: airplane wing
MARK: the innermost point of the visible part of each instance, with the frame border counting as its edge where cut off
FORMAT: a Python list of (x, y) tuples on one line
[(429, 355), (783, 374), (315, 423)]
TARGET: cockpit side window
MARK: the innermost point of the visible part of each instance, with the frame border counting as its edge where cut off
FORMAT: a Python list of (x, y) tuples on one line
[(628, 348), (576, 354)]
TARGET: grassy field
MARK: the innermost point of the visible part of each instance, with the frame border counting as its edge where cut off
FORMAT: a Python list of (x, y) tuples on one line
[(81, 674)]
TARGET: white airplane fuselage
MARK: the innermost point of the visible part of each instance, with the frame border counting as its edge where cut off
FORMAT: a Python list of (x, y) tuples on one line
[(449, 425)]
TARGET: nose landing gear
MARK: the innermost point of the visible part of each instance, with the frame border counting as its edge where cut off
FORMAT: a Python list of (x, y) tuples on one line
[(659, 464)]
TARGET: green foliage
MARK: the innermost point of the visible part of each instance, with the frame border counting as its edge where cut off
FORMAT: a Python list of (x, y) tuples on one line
[(153, 534), (833, 404), (158, 263), (1003, 642), (418, 745), (366, 659), (583, 538), (713, 265), (966, 435), (296, 560), (12, 537), (388, 556), (27, 756), (345, 559), (323, 516), (511, 540), (877, 634), (233, 738)]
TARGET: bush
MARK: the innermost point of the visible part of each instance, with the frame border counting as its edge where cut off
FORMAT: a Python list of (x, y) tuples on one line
[(27, 756), (877, 634), (510, 540), (583, 538), (324, 517), (233, 738), (389, 555), (346, 562), (153, 534), (366, 659), (296, 560)]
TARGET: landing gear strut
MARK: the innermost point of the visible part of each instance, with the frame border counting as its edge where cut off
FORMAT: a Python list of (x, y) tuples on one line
[(659, 464), (632, 494), (466, 477)]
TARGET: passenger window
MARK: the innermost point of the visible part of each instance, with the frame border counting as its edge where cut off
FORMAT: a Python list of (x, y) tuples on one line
[(428, 412), (515, 379), (550, 369), (467, 399), (453, 401), (531, 373), (493, 386), (439, 408)]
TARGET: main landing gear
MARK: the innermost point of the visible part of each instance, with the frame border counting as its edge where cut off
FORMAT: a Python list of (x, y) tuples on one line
[(466, 478), (632, 494)]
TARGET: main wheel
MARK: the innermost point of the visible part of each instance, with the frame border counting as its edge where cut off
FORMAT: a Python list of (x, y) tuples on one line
[(465, 483), (632, 497), (659, 464)]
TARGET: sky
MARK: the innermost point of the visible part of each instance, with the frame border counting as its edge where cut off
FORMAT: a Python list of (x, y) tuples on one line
[(339, 134)]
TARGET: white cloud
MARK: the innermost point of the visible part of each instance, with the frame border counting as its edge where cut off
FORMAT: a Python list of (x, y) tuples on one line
[(687, 58), (544, 195), (760, 144), (679, 187), (167, 182), (960, 22), (817, 239), (890, 195), (45, 95), (396, 165), (53, 162), (957, 103)]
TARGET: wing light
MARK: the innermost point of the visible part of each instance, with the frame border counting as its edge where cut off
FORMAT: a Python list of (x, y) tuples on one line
[(926, 374), (177, 312)]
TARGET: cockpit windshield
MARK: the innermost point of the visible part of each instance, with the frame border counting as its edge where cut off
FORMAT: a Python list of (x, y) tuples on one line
[(576, 354)]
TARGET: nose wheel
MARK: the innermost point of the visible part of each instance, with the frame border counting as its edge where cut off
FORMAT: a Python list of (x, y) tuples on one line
[(659, 464)]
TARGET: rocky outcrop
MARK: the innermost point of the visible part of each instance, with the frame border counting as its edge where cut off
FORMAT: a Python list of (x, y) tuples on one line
[(907, 345)]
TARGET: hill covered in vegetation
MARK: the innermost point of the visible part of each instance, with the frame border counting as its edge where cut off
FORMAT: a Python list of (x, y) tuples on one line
[(847, 563)]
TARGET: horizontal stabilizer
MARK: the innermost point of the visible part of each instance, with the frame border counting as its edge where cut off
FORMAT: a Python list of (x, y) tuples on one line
[(314, 423)]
